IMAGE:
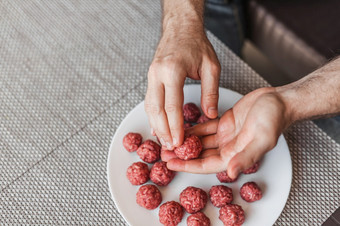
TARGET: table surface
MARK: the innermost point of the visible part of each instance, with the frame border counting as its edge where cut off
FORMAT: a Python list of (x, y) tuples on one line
[(69, 73)]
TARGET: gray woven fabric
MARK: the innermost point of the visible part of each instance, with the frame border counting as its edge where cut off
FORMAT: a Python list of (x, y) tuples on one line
[(69, 73)]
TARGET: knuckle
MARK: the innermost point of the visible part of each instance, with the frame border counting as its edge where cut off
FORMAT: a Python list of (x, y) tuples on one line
[(163, 68), (215, 69), (154, 66), (152, 73), (169, 66)]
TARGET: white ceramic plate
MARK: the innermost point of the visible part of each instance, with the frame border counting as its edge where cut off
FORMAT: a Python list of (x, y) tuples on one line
[(274, 176)]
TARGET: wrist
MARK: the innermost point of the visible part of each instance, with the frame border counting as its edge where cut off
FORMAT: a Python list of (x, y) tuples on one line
[(183, 16), (287, 96)]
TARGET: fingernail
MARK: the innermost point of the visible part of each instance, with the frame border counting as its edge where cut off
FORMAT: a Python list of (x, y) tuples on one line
[(174, 141), (162, 141), (152, 132), (168, 146), (211, 111)]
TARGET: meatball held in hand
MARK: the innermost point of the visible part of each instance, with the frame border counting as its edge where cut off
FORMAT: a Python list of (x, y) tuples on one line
[(198, 219), (131, 141), (170, 213), (232, 215), (149, 151), (138, 173), (191, 112), (160, 174), (250, 192), (224, 178), (149, 196), (220, 195), (193, 199), (190, 149)]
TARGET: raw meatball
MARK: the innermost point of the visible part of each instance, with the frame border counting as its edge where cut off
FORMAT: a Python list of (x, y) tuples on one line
[(190, 149), (138, 173), (193, 199), (149, 197), (170, 213), (187, 125), (149, 151), (203, 118), (232, 214), (131, 141), (198, 219), (224, 178), (250, 192), (220, 195), (160, 174), (252, 169), (191, 112)]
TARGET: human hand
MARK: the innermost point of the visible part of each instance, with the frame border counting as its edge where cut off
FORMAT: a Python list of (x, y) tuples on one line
[(239, 138), (180, 54)]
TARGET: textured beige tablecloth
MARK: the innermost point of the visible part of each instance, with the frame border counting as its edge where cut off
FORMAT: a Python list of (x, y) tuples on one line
[(69, 73)]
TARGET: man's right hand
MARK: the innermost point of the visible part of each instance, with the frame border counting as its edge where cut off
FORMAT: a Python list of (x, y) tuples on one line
[(183, 51)]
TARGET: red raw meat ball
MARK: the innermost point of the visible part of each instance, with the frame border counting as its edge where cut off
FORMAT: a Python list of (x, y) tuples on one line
[(232, 215), (131, 141), (170, 213), (193, 199), (203, 118), (253, 169), (190, 149), (138, 173), (149, 151), (220, 195), (198, 219), (250, 192), (160, 174), (191, 112), (149, 196), (224, 178)]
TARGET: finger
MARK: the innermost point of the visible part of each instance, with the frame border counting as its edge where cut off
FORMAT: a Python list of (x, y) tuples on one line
[(209, 97), (209, 152), (174, 111), (156, 99), (211, 164), (209, 142), (154, 102), (166, 155), (203, 129), (154, 106), (246, 158)]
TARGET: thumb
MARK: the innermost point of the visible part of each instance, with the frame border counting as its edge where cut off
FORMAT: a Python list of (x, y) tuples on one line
[(209, 97)]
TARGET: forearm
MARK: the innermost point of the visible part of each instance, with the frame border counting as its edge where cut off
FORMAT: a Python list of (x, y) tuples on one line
[(316, 95), (183, 16)]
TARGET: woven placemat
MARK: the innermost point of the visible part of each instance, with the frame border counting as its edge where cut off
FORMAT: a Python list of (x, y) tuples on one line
[(69, 73)]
